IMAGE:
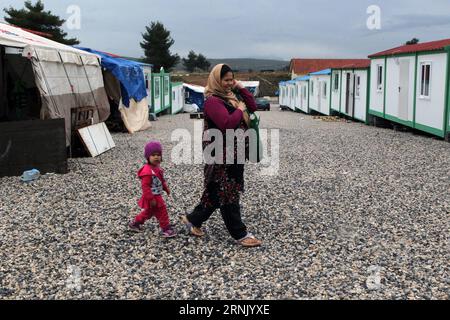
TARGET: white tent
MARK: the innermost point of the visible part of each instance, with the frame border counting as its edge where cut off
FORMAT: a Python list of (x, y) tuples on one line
[(66, 77)]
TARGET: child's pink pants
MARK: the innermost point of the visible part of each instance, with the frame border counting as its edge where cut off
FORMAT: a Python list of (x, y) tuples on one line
[(159, 212)]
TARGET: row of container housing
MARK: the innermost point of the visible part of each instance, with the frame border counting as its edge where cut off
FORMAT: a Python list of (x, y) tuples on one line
[(408, 85)]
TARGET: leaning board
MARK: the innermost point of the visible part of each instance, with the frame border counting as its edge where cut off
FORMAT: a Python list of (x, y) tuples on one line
[(97, 139)]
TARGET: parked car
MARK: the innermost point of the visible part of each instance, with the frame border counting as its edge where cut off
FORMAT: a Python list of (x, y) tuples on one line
[(263, 104)]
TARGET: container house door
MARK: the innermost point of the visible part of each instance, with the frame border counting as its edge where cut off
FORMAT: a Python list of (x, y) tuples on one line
[(319, 98), (166, 85), (403, 90), (350, 95), (157, 95)]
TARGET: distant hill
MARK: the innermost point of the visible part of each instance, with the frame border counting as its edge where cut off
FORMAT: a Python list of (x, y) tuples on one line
[(245, 65)]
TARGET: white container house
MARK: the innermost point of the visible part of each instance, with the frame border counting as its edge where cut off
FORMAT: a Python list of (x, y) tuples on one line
[(292, 94), (410, 85), (320, 92), (283, 95), (147, 68), (160, 91), (350, 91), (302, 103), (177, 93)]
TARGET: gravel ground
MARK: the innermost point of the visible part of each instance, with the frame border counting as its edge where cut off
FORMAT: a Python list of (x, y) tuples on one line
[(356, 212)]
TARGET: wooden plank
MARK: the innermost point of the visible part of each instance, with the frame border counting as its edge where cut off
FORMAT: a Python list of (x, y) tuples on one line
[(97, 139), (37, 144)]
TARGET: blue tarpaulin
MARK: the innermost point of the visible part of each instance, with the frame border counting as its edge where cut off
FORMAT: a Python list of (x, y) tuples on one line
[(195, 95), (129, 74)]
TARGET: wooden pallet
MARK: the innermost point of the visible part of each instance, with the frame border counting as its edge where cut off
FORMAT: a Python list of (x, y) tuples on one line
[(197, 115)]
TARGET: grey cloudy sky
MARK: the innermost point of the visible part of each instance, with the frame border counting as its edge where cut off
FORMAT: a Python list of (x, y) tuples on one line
[(258, 28)]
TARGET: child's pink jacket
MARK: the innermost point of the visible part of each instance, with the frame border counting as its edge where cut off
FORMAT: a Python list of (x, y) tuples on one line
[(146, 175)]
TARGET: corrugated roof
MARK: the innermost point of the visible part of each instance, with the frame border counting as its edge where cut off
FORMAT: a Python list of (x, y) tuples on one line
[(320, 73), (307, 66), (358, 65), (420, 47)]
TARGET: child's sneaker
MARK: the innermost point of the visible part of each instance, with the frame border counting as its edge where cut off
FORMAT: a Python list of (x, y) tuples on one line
[(135, 227), (169, 233)]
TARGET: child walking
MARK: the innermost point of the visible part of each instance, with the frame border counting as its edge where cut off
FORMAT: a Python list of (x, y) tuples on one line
[(153, 185)]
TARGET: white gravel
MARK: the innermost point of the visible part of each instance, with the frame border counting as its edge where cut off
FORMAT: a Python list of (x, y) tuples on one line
[(357, 212)]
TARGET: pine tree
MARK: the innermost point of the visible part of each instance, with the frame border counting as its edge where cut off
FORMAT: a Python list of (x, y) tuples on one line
[(203, 63), (156, 45), (34, 17), (413, 41), (191, 62)]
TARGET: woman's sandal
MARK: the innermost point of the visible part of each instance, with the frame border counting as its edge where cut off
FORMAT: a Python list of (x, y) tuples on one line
[(250, 242), (197, 232)]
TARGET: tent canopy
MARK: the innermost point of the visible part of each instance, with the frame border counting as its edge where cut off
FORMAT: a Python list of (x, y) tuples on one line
[(129, 73), (67, 78), (11, 36)]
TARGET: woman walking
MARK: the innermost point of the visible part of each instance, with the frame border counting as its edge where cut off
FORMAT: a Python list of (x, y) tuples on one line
[(224, 182)]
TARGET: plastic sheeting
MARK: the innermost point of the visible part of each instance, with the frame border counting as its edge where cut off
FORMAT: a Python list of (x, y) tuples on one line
[(129, 73), (194, 95)]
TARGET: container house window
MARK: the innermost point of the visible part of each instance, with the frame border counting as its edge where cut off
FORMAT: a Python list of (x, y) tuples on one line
[(358, 87), (157, 87), (380, 78), (166, 86), (324, 89), (304, 91), (312, 88), (425, 80), (336, 82)]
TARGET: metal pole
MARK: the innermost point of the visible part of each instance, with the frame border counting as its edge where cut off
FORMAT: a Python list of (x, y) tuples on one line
[(90, 87), (76, 98)]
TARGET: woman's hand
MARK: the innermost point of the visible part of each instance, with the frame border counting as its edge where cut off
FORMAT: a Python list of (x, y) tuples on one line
[(153, 203), (237, 85)]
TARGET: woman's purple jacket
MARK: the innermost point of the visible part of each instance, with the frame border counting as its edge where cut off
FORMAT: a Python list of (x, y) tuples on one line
[(216, 111)]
